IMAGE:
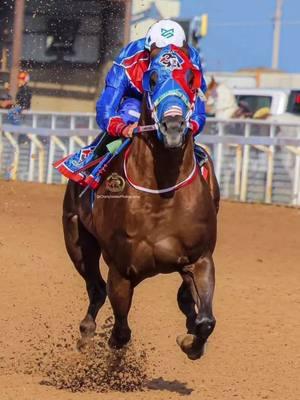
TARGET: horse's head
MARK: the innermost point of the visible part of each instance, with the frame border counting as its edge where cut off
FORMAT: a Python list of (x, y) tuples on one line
[(171, 85)]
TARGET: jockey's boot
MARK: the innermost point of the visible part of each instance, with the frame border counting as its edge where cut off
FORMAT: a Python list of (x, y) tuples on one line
[(101, 148), (204, 160), (77, 165), (201, 155)]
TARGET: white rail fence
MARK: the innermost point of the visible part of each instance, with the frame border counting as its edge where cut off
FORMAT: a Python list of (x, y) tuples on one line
[(254, 160)]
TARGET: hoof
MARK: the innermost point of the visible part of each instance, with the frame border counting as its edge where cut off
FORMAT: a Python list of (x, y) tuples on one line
[(82, 344), (117, 342), (191, 346), (87, 327)]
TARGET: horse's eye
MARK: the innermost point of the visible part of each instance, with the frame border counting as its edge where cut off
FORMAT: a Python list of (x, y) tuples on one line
[(153, 80), (190, 78)]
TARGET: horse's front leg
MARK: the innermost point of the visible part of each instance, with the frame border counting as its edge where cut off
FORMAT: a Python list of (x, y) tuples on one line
[(120, 291), (195, 300)]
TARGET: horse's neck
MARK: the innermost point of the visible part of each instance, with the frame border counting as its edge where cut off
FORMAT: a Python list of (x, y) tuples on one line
[(153, 166)]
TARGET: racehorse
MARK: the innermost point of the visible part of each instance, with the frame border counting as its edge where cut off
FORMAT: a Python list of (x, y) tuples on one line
[(157, 216), (221, 102)]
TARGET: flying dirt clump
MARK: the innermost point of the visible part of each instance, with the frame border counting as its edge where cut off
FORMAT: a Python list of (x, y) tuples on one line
[(97, 368)]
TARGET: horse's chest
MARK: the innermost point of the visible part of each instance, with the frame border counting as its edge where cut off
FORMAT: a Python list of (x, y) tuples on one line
[(165, 241), (155, 223)]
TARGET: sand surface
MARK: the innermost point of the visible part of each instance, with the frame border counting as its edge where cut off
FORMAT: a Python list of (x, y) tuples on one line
[(254, 352)]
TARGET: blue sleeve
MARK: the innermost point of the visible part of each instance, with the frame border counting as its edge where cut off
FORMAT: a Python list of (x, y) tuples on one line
[(198, 117), (116, 85), (194, 54)]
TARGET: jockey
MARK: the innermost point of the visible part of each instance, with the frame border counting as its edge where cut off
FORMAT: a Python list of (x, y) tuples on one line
[(118, 107), (124, 80)]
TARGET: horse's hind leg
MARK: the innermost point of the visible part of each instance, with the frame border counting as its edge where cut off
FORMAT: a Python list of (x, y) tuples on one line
[(200, 279), (120, 291), (85, 252)]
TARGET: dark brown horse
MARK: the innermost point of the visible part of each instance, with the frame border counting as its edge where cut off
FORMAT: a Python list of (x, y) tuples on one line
[(142, 234)]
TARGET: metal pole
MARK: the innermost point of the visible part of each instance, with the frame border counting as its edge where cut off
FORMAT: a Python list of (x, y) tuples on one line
[(128, 13), (276, 34), (17, 45)]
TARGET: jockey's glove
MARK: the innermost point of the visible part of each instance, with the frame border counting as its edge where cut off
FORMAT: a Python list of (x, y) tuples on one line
[(128, 130)]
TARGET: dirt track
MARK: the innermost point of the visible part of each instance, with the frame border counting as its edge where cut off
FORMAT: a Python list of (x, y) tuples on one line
[(254, 352)]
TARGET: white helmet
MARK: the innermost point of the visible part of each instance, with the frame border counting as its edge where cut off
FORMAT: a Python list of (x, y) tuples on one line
[(164, 33)]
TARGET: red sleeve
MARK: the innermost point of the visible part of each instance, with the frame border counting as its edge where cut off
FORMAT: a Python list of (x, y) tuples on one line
[(194, 127), (115, 126)]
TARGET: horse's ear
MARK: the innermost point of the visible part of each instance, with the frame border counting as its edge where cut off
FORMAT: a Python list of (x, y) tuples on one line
[(212, 83), (185, 49)]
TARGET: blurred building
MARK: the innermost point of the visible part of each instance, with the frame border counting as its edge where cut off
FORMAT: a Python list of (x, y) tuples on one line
[(146, 12), (68, 45)]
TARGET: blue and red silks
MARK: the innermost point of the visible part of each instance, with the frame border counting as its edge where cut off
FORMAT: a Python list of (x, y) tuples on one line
[(72, 166)]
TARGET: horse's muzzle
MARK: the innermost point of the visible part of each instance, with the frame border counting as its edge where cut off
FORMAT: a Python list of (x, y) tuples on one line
[(173, 129)]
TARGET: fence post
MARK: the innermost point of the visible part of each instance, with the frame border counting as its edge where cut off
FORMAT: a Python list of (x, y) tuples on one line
[(296, 184), (32, 152), (238, 167), (61, 145), (71, 139), (41, 149), (15, 164), (1, 140), (1, 148), (51, 151), (219, 152), (269, 181), (245, 165)]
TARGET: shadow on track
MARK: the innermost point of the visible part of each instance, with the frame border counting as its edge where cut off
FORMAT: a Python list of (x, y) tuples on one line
[(170, 386)]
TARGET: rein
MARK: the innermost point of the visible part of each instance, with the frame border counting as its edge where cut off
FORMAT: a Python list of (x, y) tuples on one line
[(189, 179)]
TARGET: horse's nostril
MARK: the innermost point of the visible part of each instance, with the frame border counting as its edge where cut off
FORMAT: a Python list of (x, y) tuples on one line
[(173, 125)]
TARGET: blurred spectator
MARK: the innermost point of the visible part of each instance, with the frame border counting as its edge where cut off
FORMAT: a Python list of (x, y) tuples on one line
[(24, 95), (5, 98), (243, 110), (23, 99), (5, 101)]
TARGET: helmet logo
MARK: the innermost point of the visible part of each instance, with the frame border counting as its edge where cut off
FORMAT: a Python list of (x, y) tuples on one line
[(167, 33), (171, 61)]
